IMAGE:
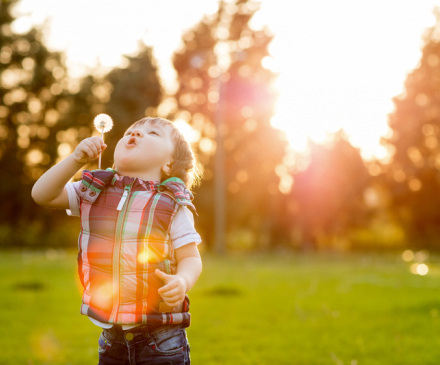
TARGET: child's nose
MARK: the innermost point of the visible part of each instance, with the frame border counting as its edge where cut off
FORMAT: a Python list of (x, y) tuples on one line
[(136, 133)]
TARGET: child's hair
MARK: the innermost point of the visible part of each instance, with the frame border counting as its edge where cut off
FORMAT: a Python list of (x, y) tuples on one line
[(185, 166)]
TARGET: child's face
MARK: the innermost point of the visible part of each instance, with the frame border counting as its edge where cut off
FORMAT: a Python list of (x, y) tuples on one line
[(144, 149)]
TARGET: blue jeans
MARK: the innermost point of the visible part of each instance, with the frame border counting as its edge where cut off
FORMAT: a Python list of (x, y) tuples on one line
[(167, 344)]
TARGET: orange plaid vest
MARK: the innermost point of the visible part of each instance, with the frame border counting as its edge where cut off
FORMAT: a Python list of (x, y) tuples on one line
[(124, 238)]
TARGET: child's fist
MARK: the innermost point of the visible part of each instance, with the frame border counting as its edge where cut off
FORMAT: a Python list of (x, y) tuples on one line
[(173, 293), (88, 150)]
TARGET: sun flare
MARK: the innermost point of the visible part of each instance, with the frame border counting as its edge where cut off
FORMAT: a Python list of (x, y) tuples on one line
[(340, 62)]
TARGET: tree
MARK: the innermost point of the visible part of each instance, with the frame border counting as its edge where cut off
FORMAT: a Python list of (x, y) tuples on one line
[(33, 89), (413, 175), (330, 191), (43, 116), (135, 92), (223, 49), (126, 93)]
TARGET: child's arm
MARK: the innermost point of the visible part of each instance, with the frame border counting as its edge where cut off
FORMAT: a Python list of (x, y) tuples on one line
[(189, 267), (49, 190), (189, 264)]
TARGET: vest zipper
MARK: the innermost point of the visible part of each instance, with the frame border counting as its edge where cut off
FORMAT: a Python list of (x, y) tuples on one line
[(124, 197), (122, 207)]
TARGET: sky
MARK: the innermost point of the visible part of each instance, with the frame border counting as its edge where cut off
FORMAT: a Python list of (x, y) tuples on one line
[(340, 61)]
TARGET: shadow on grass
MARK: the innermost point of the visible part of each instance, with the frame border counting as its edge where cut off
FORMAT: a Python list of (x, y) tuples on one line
[(224, 290), (29, 286)]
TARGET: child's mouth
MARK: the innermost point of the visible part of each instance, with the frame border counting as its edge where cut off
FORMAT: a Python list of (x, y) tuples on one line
[(131, 142)]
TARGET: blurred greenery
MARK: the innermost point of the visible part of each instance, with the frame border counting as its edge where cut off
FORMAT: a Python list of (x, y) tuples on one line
[(249, 308), (224, 89), (45, 113), (34, 99), (269, 300), (275, 197), (412, 177), (330, 192)]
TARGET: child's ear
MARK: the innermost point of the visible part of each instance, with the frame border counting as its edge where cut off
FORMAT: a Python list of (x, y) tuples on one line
[(167, 168)]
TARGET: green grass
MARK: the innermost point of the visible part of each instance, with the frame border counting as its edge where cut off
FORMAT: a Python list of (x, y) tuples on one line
[(278, 308)]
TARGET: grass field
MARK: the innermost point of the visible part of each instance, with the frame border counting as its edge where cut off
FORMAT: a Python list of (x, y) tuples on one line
[(278, 308)]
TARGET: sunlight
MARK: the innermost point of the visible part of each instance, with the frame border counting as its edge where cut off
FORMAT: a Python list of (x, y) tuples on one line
[(407, 255), (191, 135), (337, 70), (104, 295), (419, 269), (143, 257)]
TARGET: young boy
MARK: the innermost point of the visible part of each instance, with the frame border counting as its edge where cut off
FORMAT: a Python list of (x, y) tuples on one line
[(137, 234)]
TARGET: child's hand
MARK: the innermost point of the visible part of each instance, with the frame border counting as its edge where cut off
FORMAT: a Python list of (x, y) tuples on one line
[(88, 150), (173, 293)]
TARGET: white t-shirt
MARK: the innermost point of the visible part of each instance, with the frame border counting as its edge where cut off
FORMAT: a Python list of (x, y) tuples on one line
[(182, 230)]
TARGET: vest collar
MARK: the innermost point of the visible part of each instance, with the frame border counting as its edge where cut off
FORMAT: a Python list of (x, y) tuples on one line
[(175, 185)]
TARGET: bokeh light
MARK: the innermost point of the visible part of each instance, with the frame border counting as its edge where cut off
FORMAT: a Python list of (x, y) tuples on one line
[(408, 255)]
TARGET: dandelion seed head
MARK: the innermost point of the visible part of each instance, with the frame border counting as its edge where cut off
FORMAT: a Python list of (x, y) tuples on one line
[(103, 123)]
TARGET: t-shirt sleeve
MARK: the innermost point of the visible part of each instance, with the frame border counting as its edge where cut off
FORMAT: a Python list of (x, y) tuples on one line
[(182, 229), (74, 200)]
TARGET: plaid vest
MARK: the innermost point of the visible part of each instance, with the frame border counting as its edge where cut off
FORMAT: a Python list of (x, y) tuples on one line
[(125, 225)]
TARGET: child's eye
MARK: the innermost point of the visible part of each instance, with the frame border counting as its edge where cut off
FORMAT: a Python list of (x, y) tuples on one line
[(128, 133)]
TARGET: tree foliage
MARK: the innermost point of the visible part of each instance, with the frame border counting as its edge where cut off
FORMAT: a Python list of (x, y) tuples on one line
[(221, 77), (43, 116), (330, 192), (135, 92), (33, 90), (413, 176)]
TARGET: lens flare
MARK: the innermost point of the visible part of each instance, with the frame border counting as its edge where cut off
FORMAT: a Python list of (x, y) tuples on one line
[(407, 255), (104, 295), (143, 257)]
